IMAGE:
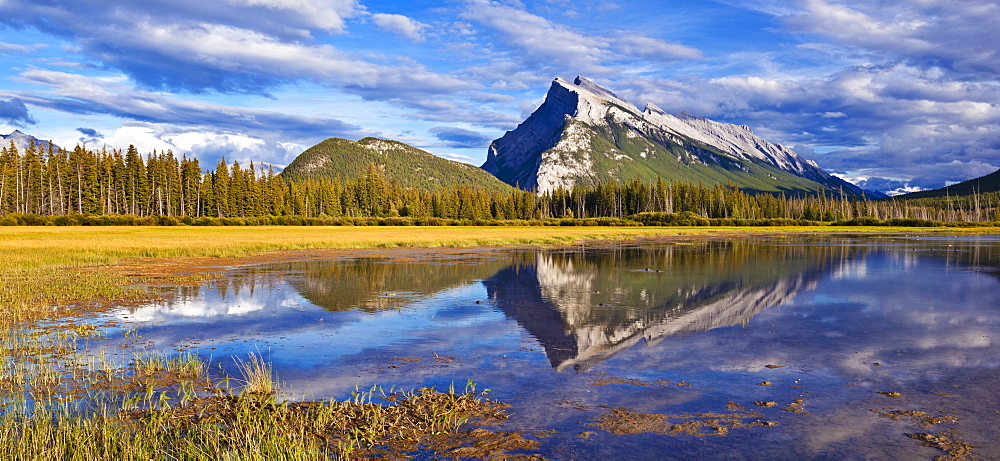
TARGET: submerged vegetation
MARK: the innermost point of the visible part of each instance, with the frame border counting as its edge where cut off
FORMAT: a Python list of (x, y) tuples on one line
[(86, 187)]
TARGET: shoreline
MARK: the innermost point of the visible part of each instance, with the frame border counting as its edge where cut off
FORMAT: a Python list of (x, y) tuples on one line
[(80, 268)]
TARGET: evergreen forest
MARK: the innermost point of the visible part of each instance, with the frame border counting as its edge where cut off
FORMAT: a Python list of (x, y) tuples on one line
[(106, 187)]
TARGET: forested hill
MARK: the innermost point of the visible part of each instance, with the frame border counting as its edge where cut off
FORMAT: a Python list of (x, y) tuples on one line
[(399, 163), (980, 185)]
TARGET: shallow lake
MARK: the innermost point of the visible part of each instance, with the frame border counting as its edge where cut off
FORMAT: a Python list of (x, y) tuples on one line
[(625, 349)]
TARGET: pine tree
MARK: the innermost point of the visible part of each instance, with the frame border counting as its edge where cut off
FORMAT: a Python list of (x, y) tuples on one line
[(10, 164)]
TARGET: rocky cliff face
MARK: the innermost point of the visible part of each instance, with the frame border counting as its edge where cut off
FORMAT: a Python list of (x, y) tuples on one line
[(584, 134)]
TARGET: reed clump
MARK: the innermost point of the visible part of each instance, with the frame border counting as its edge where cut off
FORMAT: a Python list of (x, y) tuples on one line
[(239, 426), (185, 365), (258, 377)]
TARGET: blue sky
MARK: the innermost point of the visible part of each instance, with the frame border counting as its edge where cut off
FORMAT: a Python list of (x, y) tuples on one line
[(893, 94)]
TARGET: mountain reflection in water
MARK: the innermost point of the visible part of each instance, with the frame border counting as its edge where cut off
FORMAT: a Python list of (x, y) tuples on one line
[(586, 307), (582, 306)]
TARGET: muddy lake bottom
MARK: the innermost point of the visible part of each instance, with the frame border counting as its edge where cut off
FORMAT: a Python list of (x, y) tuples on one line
[(747, 347)]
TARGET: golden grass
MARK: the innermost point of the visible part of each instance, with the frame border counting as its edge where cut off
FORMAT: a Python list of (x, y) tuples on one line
[(25, 247), (258, 376)]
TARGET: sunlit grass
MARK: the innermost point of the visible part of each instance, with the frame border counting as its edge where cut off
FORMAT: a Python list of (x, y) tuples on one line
[(185, 365), (229, 427), (51, 247), (258, 377)]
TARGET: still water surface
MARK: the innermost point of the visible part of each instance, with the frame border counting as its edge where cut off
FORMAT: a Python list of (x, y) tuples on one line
[(565, 335)]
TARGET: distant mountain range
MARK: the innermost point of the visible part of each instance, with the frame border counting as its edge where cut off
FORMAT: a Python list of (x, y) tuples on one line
[(584, 134), (398, 162), (980, 185), (22, 141)]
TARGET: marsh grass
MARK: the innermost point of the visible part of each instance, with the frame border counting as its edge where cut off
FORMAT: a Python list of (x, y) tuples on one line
[(258, 376), (185, 365), (220, 424), (57, 402)]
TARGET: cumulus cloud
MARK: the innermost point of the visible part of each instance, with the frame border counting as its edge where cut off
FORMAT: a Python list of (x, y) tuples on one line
[(400, 25), (209, 147), (906, 96), (284, 18), (15, 112), (960, 36), (461, 158)]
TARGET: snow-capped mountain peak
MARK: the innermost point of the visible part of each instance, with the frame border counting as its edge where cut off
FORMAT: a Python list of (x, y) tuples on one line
[(585, 134)]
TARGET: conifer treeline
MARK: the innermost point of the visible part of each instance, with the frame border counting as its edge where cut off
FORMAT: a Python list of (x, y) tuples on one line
[(89, 182)]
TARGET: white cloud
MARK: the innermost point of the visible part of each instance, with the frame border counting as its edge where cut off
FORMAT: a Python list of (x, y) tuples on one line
[(81, 94), (654, 49), (959, 35), (207, 146), (538, 39), (143, 137), (400, 25), (326, 15), (232, 49), (22, 49), (208, 46)]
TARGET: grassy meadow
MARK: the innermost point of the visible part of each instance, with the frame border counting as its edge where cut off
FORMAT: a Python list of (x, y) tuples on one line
[(56, 402)]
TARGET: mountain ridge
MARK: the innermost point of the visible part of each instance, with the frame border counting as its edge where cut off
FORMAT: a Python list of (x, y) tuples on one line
[(980, 185), (584, 134)]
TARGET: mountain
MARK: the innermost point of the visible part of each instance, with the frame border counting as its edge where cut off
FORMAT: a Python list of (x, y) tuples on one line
[(584, 134), (980, 185), (22, 141), (398, 162)]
